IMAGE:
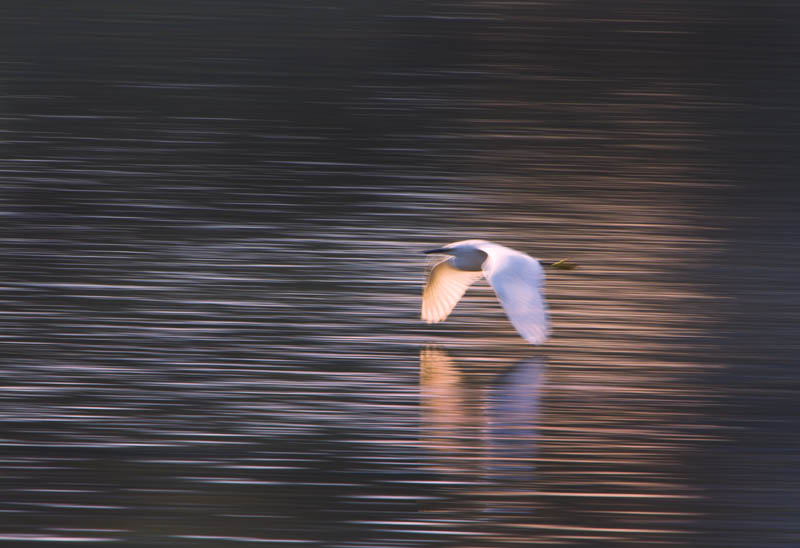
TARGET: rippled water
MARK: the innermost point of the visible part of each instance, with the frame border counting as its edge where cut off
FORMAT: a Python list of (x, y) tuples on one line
[(214, 215)]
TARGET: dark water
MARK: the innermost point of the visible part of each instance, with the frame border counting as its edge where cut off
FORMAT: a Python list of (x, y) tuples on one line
[(213, 216)]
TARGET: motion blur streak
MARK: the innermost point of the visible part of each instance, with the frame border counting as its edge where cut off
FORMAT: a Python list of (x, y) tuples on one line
[(211, 277)]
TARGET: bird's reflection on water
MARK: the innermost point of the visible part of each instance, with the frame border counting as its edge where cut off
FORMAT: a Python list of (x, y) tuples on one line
[(481, 428)]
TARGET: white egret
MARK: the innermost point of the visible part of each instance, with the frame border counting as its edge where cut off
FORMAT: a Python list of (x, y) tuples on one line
[(517, 280)]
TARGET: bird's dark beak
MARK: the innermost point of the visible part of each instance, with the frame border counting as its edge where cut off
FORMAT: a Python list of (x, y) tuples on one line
[(439, 250)]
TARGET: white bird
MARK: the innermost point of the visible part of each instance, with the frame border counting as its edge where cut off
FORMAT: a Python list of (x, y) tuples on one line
[(517, 280)]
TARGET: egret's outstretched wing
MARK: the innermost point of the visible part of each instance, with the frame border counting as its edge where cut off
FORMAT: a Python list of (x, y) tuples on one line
[(518, 279), (446, 284)]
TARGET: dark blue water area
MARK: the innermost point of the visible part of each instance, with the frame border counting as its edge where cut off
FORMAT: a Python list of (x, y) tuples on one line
[(213, 218)]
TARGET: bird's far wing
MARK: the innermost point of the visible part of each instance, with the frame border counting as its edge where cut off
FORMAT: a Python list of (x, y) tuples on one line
[(446, 284), (518, 280)]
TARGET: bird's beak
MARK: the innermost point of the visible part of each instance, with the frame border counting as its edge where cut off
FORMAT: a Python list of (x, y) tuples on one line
[(439, 250)]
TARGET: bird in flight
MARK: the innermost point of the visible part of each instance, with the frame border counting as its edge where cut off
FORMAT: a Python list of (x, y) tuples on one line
[(517, 280)]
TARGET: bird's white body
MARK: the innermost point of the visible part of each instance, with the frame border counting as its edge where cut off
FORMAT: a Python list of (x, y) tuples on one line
[(517, 280)]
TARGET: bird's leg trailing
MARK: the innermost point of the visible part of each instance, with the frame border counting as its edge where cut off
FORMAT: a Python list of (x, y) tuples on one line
[(563, 264)]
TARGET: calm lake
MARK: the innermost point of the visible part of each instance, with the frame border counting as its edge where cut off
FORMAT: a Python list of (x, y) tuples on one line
[(213, 218)]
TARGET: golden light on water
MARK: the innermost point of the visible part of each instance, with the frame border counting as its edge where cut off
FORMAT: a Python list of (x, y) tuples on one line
[(212, 276)]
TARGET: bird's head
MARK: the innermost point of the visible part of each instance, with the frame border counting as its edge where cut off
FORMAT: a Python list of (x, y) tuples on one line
[(467, 254)]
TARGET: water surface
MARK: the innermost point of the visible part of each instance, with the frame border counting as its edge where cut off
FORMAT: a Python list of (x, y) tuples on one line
[(214, 217)]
